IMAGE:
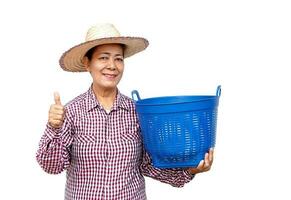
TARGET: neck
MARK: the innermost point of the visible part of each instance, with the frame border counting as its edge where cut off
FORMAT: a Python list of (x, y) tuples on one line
[(106, 97)]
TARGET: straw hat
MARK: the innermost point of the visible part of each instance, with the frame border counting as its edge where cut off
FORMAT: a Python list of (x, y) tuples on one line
[(100, 34)]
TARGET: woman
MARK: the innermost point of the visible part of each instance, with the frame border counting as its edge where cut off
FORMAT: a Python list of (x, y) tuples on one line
[(96, 137)]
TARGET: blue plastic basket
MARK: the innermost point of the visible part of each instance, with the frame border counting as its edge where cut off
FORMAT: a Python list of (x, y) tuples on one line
[(177, 130)]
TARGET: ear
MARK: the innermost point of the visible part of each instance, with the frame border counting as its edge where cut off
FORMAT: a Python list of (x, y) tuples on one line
[(86, 63)]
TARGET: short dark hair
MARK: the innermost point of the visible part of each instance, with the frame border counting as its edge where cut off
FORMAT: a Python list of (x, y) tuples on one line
[(90, 52)]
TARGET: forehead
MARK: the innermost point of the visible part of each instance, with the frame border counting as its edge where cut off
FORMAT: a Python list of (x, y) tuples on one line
[(109, 48)]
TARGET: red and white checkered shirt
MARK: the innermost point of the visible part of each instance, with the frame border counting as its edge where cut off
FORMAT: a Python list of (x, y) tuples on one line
[(102, 152)]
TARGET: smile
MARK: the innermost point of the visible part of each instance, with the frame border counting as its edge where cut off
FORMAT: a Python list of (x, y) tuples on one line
[(111, 76)]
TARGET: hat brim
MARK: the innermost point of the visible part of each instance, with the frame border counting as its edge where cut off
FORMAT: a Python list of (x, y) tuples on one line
[(71, 60)]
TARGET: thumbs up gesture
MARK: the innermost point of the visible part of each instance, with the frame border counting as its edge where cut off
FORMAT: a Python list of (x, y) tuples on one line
[(56, 112)]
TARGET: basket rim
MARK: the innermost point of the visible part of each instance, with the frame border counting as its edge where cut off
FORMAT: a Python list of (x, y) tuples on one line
[(205, 98)]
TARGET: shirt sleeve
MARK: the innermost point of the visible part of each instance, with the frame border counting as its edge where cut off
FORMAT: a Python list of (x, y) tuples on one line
[(175, 177), (53, 154)]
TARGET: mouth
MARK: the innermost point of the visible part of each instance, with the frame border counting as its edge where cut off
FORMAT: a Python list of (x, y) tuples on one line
[(110, 76)]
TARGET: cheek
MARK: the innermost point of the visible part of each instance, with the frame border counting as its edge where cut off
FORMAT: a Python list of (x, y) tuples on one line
[(121, 68), (95, 74), (96, 65), (121, 71), (95, 68)]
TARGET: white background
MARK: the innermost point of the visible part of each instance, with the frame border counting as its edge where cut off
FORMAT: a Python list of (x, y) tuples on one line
[(194, 45)]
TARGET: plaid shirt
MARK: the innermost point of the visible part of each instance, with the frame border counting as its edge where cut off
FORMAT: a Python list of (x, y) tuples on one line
[(102, 152)]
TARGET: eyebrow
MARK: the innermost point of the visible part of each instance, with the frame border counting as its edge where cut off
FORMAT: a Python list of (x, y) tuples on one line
[(107, 53)]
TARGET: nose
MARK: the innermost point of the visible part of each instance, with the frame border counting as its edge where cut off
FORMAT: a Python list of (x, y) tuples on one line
[(111, 64)]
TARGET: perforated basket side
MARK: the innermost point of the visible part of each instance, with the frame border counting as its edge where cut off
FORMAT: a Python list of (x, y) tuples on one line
[(178, 139)]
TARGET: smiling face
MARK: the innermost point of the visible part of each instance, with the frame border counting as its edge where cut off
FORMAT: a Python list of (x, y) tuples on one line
[(106, 66)]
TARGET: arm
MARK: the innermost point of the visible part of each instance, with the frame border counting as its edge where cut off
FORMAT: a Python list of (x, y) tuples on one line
[(174, 177), (53, 154)]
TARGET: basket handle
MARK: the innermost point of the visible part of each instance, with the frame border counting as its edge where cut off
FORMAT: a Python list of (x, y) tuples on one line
[(218, 91), (134, 94)]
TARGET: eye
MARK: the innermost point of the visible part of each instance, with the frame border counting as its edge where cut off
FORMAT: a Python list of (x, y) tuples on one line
[(119, 59), (103, 58)]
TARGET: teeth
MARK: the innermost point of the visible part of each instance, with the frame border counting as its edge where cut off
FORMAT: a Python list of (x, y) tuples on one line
[(109, 75)]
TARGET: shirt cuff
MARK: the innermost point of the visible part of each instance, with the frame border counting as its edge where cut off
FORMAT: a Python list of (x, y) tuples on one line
[(188, 175), (52, 133)]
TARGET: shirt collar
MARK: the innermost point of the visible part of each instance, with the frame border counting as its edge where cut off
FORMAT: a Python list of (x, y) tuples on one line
[(92, 102)]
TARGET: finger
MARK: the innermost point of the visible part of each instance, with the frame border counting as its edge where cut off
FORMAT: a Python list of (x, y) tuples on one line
[(206, 160), (197, 169), (57, 111), (58, 107), (211, 151), (55, 123), (56, 117), (57, 98), (200, 165), (206, 169), (193, 170)]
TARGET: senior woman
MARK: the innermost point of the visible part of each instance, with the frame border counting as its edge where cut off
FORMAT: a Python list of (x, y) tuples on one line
[(96, 136)]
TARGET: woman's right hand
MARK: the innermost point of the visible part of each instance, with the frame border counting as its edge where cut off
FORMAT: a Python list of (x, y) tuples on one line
[(56, 112)]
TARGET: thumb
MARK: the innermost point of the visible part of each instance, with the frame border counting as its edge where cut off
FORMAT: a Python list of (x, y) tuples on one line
[(57, 98)]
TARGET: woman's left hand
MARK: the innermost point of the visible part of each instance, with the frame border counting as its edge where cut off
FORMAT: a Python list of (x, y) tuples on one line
[(204, 165)]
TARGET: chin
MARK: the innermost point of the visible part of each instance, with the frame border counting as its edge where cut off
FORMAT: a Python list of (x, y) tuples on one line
[(110, 86)]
